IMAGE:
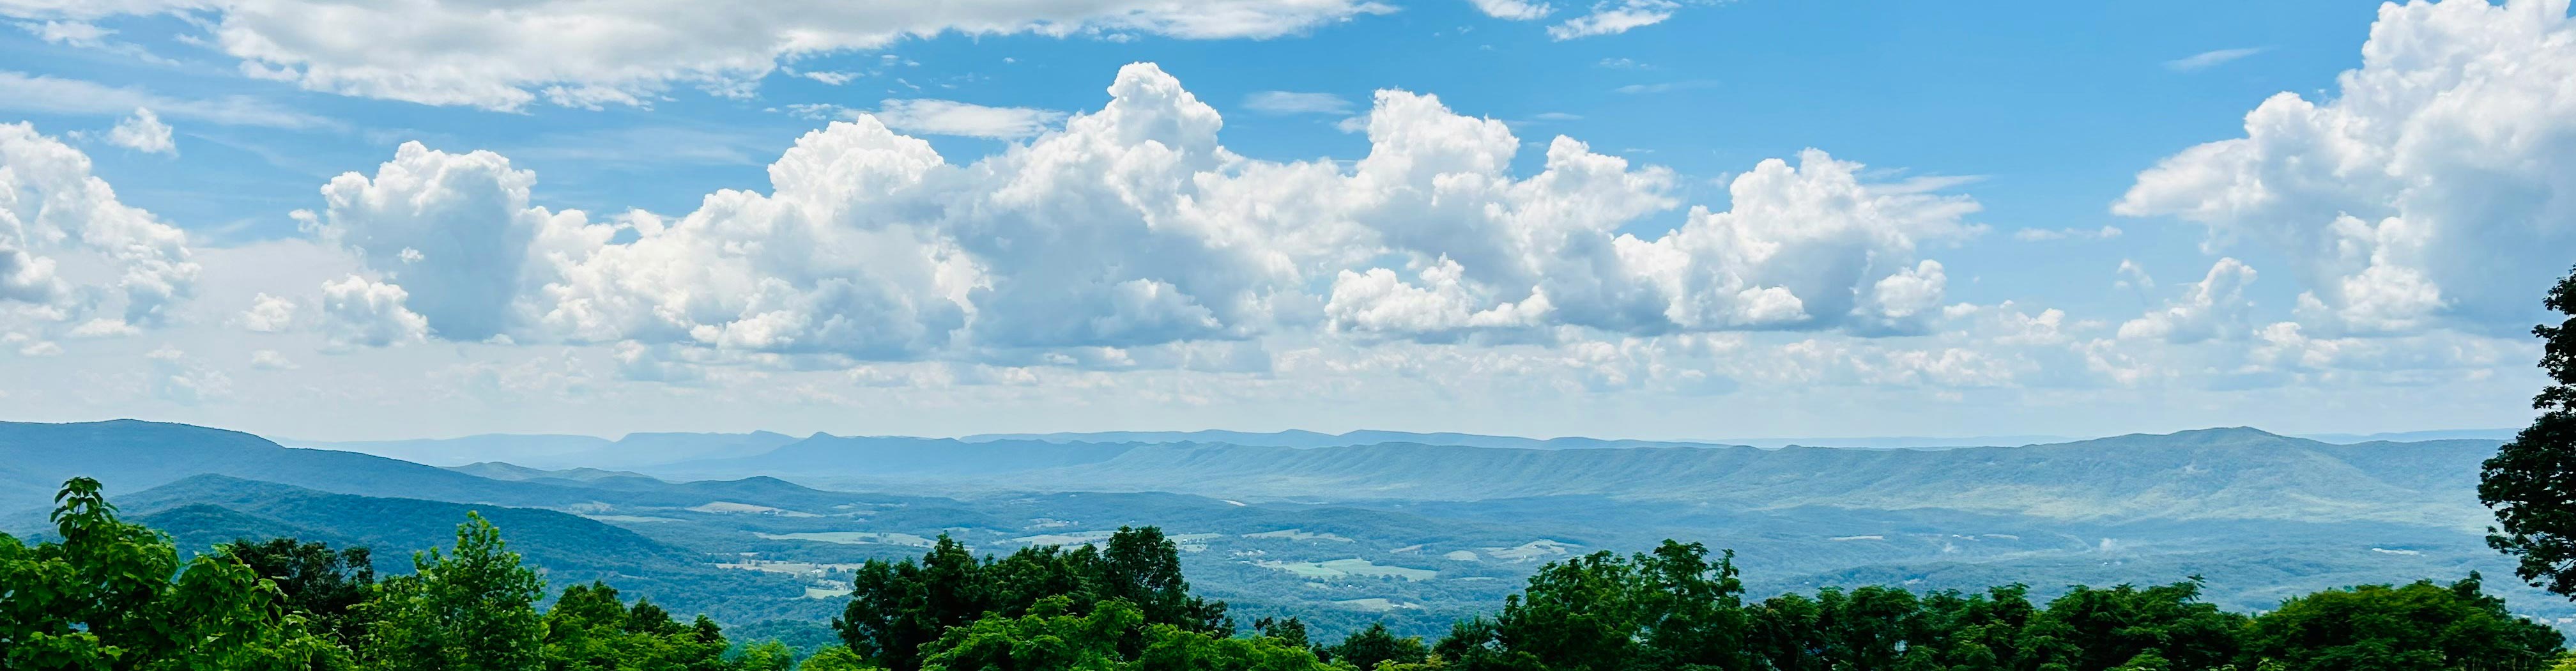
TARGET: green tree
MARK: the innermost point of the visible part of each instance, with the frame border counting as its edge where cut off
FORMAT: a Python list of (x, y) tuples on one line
[(897, 607), (835, 658), (2531, 481), (1050, 638), (322, 584), (1368, 647), (2093, 628), (1669, 609), (103, 598), (590, 629), (769, 655), (2381, 628), (469, 609)]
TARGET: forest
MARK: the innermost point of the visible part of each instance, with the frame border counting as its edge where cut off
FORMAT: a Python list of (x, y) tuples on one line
[(101, 596)]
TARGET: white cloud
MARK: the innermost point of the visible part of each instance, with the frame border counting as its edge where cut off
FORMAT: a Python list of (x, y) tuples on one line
[(69, 249), (2213, 308), (2209, 59), (828, 77), (2437, 187), (1611, 17), (1378, 302), (74, 33), (143, 132), (625, 52), (1286, 102), (1132, 233), (268, 314), (947, 117), (20, 92), (358, 312), (1512, 10)]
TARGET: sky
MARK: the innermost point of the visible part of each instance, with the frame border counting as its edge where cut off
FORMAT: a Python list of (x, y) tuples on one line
[(1676, 219)]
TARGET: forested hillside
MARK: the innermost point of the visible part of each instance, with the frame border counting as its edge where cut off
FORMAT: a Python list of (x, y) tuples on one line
[(1411, 535), (98, 598)]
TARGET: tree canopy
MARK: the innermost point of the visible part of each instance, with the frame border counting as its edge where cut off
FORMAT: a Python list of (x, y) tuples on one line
[(2531, 481)]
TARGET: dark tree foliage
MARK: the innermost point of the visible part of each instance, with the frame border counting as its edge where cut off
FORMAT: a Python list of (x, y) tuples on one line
[(2531, 482), (321, 583), (2380, 628), (897, 607), (1668, 609), (1367, 648), (104, 598), (1289, 630)]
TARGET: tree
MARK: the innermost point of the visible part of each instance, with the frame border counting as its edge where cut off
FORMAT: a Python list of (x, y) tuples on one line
[(2093, 628), (835, 658), (2531, 481), (2381, 628), (103, 598), (321, 583), (1375, 644), (470, 609), (897, 607), (769, 655), (1663, 610)]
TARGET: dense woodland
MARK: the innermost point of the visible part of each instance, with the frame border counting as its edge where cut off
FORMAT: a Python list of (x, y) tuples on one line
[(103, 596)]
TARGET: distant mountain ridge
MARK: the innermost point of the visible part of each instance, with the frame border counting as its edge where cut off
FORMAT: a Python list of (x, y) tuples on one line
[(2227, 473), (553, 451)]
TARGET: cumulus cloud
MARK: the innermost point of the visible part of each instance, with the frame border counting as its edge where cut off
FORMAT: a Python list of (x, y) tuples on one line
[(2437, 186), (359, 312), (1132, 235), (626, 52), (2214, 307), (931, 116), (268, 314), (69, 250), (143, 132)]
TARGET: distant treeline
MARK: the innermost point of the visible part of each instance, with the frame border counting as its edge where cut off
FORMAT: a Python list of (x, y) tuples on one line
[(104, 597)]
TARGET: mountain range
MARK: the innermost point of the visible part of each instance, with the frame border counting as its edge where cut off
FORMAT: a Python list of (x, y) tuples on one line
[(1408, 531)]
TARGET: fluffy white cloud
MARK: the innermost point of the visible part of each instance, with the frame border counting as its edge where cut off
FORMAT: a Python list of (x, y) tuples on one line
[(69, 249), (1132, 235), (455, 231), (268, 314), (356, 311), (2214, 307), (931, 116), (143, 132), (624, 52), (2436, 187)]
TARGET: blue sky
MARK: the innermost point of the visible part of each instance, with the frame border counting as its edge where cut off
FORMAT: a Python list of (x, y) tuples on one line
[(1991, 248)]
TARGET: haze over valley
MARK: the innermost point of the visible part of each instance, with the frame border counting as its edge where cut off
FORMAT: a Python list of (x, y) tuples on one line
[(1418, 531)]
